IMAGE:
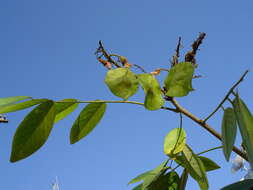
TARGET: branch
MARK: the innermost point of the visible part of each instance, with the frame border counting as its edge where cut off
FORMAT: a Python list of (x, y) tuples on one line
[(105, 54), (227, 95), (204, 125)]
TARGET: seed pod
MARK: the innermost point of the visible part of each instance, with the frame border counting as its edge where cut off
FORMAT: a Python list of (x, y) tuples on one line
[(107, 64), (123, 60)]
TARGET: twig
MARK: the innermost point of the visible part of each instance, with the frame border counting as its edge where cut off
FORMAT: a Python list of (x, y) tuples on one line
[(173, 169), (204, 125), (105, 54), (178, 47), (176, 56), (170, 109), (116, 101), (190, 55), (227, 95), (139, 67), (179, 109), (211, 149), (230, 101)]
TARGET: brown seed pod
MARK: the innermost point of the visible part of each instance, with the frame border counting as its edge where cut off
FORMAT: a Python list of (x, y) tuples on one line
[(107, 64)]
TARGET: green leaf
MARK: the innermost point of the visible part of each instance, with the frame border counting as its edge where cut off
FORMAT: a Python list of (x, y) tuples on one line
[(64, 108), (228, 132), (174, 142), (246, 184), (195, 167), (138, 187), (20, 106), (245, 122), (209, 164), (87, 121), (122, 82), (153, 101), (152, 179), (169, 181), (13, 99), (140, 177), (33, 131), (178, 82), (173, 180), (157, 179), (183, 180), (152, 89)]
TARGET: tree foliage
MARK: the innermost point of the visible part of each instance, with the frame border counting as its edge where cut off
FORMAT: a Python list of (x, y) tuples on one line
[(35, 128)]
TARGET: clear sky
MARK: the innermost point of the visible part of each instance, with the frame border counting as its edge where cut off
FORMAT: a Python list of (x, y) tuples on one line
[(47, 51)]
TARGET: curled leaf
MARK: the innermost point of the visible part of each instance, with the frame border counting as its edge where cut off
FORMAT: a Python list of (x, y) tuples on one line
[(151, 87), (122, 82), (174, 142), (178, 82)]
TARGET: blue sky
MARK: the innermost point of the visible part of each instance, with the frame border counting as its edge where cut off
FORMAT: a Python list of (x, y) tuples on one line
[(47, 51)]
